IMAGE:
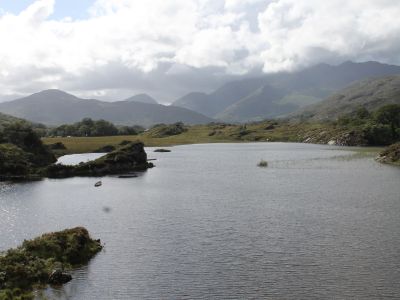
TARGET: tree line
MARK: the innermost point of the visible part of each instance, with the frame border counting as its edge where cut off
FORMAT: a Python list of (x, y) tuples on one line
[(89, 127), (380, 127)]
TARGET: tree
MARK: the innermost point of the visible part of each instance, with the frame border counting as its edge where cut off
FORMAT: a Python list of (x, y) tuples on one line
[(389, 115)]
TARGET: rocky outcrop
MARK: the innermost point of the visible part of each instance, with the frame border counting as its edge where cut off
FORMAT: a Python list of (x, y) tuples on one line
[(338, 138), (351, 138), (128, 158), (390, 155)]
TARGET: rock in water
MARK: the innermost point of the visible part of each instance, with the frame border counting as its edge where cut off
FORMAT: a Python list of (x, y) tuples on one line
[(162, 150), (59, 277)]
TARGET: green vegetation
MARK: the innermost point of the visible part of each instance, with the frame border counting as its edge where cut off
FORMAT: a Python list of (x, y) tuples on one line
[(23, 156), (43, 260), (89, 127), (128, 158), (361, 128), (24, 137), (13, 161), (163, 130), (370, 94), (381, 127), (22, 153)]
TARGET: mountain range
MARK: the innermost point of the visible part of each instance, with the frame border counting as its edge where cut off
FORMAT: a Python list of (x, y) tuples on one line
[(55, 107), (319, 92), (279, 94)]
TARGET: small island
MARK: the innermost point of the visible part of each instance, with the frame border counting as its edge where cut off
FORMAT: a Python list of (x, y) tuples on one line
[(44, 260), (125, 159)]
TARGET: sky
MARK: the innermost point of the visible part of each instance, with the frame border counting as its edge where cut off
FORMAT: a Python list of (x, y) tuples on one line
[(113, 49)]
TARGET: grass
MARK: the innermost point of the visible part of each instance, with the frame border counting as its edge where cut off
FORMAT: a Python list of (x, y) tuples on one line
[(212, 133)]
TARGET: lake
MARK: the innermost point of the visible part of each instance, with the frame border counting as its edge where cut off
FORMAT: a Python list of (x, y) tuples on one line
[(207, 223)]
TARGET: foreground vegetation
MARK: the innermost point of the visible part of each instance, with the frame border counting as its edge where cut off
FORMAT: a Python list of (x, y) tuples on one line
[(44, 260)]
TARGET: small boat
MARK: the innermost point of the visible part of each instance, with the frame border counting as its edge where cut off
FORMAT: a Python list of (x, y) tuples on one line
[(98, 183)]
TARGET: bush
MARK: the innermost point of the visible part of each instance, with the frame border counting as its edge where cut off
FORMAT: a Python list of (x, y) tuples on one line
[(13, 160), (378, 134)]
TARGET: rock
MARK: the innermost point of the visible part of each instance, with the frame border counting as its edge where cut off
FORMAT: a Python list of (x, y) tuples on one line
[(332, 142), (59, 277), (162, 150), (390, 155)]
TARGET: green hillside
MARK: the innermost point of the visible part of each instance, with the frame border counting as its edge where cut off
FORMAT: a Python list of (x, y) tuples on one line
[(370, 94)]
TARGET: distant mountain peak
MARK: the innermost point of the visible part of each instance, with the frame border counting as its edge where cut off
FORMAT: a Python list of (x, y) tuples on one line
[(52, 92), (142, 98)]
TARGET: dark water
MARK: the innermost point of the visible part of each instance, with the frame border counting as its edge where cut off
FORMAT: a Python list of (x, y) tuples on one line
[(207, 223)]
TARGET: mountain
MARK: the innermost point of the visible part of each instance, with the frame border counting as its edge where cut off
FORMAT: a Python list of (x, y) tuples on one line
[(55, 107), (142, 98), (279, 94), (369, 93), (216, 102)]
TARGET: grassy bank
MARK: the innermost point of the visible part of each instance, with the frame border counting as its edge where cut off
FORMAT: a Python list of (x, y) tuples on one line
[(213, 133)]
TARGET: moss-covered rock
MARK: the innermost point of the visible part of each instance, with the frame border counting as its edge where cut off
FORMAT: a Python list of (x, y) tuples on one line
[(35, 261), (163, 130)]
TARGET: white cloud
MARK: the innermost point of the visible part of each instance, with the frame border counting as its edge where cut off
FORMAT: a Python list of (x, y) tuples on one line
[(234, 36)]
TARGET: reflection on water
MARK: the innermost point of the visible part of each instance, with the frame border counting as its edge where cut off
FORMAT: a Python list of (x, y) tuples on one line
[(208, 223)]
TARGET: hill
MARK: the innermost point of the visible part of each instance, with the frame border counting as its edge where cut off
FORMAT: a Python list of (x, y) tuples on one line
[(279, 94), (7, 119), (370, 94), (55, 107)]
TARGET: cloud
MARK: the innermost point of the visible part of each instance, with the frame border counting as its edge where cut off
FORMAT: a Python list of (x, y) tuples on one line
[(207, 41)]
